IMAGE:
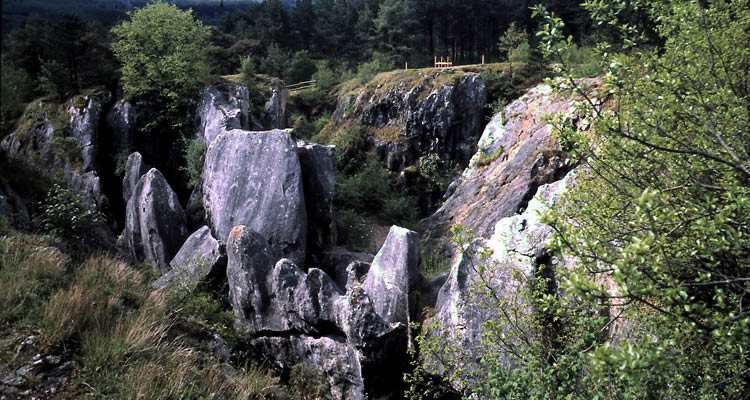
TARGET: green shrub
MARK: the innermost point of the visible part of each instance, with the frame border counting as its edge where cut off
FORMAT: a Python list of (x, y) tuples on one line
[(380, 63), (324, 76), (402, 210), (367, 189), (16, 90), (66, 214), (195, 154), (66, 148), (275, 61), (358, 231), (433, 263), (301, 67)]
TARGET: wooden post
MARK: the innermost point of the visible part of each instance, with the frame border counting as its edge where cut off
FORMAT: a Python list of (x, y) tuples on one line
[(407, 66), (435, 65), (482, 59)]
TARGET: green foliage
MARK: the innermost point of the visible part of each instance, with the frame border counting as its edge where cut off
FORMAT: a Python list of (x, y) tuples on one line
[(433, 263), (511, 41), (403, 210), (247, 69), (367, 189), (275, 62), (659, 217), (195, 154), (358, 230), (66, 148), (308, 382), (163, 52), (301, 67), (15, 91), (380, 62), (433, 170), (65, 213), (324, 75)]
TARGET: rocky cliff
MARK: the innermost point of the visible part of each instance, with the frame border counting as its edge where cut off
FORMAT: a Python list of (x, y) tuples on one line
[(410, 114)]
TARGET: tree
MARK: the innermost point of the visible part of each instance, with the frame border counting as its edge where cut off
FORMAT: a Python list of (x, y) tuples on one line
[(658, 222), (163, 52), (510, 41), (661, 210)]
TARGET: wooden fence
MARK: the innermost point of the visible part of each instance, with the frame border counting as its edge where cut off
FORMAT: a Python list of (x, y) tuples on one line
[(443, 63), (302, 85)]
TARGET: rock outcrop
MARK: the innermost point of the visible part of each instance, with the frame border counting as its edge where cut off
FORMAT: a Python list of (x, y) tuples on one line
[(410, 116), (223, 106), (62, 140), (135, 168), (275, 107), (254, 179), (155, 226), (318, 165), (394, 277), (199, 258), (295, 317), (123, 123), (517, 154)]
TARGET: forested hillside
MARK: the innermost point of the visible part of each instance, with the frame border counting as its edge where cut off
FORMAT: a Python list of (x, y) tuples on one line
[(293, 200)]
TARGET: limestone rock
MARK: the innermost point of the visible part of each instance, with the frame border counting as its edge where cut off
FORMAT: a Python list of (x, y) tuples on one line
[(432, 114), (254, 179), (318, 165), (223, 106), (84, 124), (275, 107), (200, 257), (394, 277), (135, 168), (122, 122), (517, 154), (295, 317), (155, 225)]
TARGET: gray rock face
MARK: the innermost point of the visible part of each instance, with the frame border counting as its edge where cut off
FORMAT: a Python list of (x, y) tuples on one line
[(297, 317), (135, 168), (318, 165), (519, 245), (155, 225), (254, 179), (394, 277), (223, 106), (433, 115), (199, 257), (275, 107), (84, 124), (523, 156), (346, 268), (69, 152), (122, 120)]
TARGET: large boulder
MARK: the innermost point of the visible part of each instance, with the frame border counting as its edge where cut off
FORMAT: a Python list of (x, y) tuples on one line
[(318, 165), (294, 317), (254, 179), (199, 258), (135, 168), (84, 115), (122, 123), (155, 225), (394, 277)]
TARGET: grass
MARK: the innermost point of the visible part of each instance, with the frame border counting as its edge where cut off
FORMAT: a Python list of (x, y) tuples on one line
[(103, 315), (484, 159)]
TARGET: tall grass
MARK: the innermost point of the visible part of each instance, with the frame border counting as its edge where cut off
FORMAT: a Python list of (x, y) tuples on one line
[(114, 326)]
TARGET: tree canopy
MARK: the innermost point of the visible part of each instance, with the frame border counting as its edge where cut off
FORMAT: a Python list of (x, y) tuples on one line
[(163, 51)]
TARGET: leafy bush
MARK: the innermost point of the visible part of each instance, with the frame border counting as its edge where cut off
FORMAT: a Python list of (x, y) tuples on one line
[(16, 89), (380, 63), (433, 263), (367, 189), (402, 210), (275, 61), (301, 67), (66, 214), (195, 154), (324, 75), (358, 231)]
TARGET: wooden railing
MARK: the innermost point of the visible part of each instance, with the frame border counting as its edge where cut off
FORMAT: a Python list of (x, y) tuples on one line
[(443, 63), (302, 85)]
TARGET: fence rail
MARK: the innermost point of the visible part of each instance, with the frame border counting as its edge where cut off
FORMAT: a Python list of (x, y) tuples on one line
[(302, 85)]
